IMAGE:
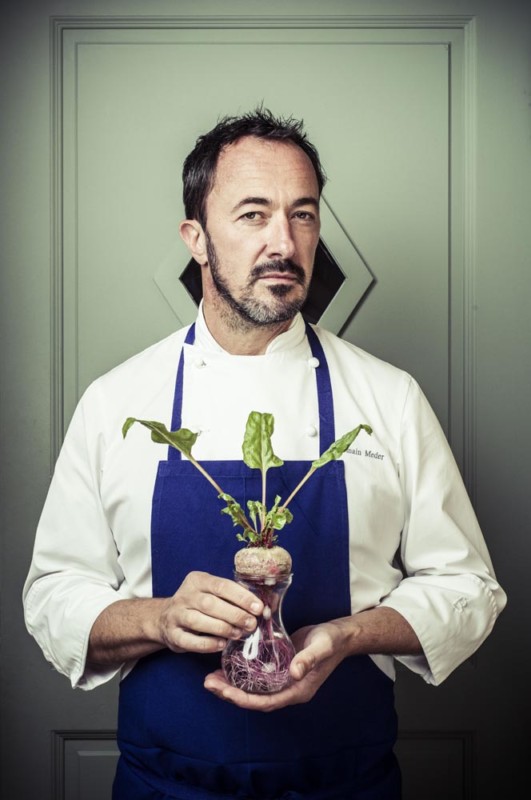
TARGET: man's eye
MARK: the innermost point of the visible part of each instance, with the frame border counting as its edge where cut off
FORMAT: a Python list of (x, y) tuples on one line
[(251, 215), (305, 216)]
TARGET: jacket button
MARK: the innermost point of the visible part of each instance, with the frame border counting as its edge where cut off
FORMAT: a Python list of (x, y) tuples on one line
[(313, 362), (311, 430), (200, 362)]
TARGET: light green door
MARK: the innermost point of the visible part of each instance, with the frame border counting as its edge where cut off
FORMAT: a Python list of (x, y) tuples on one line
[(407, 142)]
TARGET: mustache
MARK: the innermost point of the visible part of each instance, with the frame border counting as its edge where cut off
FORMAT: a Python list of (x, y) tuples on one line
[(278, 266)]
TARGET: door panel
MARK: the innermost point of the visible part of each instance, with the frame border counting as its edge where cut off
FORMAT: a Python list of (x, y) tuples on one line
[(422, 125), (85, 763)]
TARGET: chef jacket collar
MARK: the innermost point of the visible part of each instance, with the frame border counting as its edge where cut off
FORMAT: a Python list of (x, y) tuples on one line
[(290, 338)]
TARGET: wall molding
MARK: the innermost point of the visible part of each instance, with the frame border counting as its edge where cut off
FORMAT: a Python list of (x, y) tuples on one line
[(458, 746), (439, 751), (62, 740), (470, 260), (276, 22)]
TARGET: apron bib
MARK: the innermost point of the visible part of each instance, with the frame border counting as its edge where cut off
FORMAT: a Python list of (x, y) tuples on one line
[(179, 741)]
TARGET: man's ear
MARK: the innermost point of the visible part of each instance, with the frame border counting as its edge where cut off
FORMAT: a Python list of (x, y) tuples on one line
[(193, 236)]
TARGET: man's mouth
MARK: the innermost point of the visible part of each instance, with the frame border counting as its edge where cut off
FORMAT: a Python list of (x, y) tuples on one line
[(279, 276), (283, 271)]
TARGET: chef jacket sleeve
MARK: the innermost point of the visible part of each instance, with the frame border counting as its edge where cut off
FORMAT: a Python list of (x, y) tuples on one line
[(75, 571), (449, 594)]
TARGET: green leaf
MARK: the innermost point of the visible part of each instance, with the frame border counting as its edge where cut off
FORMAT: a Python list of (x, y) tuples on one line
[(256, 510), (233, 509), (127, 424), (276, 518), (248, 535), (279, 519), (337, 449), (257, 448), (182, 439)]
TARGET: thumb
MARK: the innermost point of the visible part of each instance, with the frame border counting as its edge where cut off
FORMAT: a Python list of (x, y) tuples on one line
[(303, 662)]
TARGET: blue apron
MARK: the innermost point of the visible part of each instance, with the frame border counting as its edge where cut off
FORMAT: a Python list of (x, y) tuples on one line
[(180, 742)]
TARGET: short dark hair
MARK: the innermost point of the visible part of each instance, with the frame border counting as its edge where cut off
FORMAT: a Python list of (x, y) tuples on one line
[(199, 170)]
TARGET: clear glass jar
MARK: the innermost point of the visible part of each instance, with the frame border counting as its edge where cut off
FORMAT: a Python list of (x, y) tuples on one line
[(259, 662)]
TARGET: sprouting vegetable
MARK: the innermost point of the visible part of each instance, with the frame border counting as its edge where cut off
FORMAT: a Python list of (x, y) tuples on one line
[(258, 663), (259, 524)]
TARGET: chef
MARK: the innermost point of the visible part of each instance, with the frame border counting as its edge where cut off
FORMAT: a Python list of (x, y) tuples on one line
[(132, 566)]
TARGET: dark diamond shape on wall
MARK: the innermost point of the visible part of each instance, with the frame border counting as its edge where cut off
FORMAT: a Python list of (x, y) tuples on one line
[(190, 278), (326, 280)]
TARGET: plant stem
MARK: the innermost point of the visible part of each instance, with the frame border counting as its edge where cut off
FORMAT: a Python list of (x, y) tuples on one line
[(299, 486), (205, 473), (263, 512)]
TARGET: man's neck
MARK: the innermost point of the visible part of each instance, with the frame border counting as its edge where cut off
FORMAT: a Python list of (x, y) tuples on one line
[(237, 336)]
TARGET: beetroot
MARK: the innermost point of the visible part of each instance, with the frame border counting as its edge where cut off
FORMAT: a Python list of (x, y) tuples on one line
[(262, 561)]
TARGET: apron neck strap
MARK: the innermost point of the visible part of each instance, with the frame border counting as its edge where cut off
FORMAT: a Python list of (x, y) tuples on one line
[(176, 420), (324, 392)]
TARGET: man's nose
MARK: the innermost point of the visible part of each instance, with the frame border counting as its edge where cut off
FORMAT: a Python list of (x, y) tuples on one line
[(280, 239)]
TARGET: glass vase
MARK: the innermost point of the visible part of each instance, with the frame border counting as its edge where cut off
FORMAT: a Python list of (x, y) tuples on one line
[(259, 662)]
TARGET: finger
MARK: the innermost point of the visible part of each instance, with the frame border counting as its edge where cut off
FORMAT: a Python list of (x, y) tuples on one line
[(216, 683), (179, 620), (200, 590), (234, 593), (207, 604), (188, 641), (303, 663), (212, 606), (234, 627), (317, 647)]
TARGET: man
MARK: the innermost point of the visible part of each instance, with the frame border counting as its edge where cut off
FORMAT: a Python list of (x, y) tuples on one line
[(132, 564)]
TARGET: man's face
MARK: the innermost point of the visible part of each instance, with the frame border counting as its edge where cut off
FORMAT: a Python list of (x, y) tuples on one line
[(262, 229)]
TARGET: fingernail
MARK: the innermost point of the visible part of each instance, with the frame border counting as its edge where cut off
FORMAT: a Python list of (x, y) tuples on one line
[(255, 607), (250, 622)]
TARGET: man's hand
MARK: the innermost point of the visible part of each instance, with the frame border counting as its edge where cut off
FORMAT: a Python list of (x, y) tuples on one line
[(205, 612), (201, 616), (321, 648)]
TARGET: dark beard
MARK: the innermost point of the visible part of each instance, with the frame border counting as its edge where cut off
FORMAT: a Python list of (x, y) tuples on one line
[(251, 311)]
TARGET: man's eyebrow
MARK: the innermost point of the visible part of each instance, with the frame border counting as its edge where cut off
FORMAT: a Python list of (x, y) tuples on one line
[(306, 201), (254, 201), (264, 201)]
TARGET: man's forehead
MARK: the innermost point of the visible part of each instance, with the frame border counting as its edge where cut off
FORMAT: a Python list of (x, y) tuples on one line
[(255, 147), (252, 159)]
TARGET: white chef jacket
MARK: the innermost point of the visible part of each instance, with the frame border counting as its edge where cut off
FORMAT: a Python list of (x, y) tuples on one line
[(404, 491)]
